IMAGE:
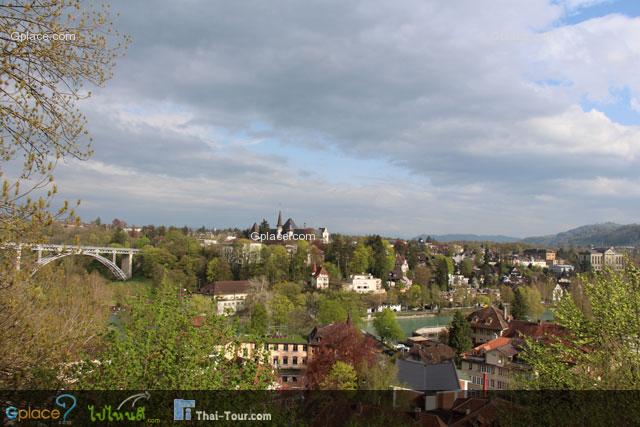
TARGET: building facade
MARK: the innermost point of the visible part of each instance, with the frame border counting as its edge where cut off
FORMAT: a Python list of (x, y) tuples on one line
[(365, 284), (319, 277), (230, 295), (599, 258), (487, 324)]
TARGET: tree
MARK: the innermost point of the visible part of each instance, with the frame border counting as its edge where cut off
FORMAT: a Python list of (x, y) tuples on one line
[(422, 275), (520, 308), (40, 124), (161, 346), (598, 346), (280, 306), (218, 269), (362, 259), (414, 296), (466, 267), (340, 342), (259, 320), (460, 333), (330, 311), (380, 376), (45, 324), (341, 377), (387, 326), (442, 273)]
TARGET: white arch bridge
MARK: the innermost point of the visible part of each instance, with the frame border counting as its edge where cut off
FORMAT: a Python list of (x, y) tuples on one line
[(48, 253)]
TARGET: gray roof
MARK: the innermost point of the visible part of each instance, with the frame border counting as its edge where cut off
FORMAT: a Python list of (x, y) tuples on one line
[(416, 375), (290, 225)]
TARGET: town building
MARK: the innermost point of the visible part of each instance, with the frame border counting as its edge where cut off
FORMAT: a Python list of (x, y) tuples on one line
[(494, 364), (230, 295), (319, 277), (418, 376), (562, 268), (288, 231), (599, 258), (546, 255), (365, 284), (487, 324), (491, 365)]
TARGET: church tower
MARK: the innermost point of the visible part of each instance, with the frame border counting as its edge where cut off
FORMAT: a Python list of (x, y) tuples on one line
[(279, 225)]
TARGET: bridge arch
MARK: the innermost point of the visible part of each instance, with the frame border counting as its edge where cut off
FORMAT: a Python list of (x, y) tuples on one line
[(111, 266)]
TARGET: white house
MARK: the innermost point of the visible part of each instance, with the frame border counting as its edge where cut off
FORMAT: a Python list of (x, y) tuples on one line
[(230, 295), (319, 277), (365, 284)]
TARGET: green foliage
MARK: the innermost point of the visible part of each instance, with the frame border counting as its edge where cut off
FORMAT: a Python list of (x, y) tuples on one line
[(460, 333), (599, 349), (341, 377), (159, 347), (526, 304), (442, 272), (387, 326), (259, 320), (275, 263), (331, 310), (466, 267), (280, 307), (362, 258), (380, 376), (218, 269)]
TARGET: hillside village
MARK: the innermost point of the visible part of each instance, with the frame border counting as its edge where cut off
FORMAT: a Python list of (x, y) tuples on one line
[(289, 294)]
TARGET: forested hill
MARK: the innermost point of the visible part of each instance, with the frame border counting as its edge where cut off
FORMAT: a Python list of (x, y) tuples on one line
[(606, 234)]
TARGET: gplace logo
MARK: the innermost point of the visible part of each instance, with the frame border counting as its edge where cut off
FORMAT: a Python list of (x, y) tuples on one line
[(182, 409), (65, 401)]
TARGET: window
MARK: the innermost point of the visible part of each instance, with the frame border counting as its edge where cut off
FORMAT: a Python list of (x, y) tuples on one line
[(304, 348), (493, 384), (295, 360), (284, 379), (296, 347), (470, 366), (266, 346), (275, 360), (294, 379), (304, 360), (286, 347), (285, 360)]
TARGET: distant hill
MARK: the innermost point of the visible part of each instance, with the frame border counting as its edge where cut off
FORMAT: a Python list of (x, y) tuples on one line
[(606, 234), (469, 238)]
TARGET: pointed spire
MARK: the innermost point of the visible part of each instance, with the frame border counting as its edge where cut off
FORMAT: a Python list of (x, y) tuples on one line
[(279, 219)]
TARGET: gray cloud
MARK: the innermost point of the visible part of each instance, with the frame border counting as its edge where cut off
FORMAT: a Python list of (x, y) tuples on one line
[(454, 98)]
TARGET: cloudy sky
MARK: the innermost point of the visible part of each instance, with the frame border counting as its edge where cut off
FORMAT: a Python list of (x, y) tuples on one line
[(518, 117)]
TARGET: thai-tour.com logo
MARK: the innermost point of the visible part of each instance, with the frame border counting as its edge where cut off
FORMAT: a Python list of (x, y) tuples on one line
[(185, 410), (65, 404)]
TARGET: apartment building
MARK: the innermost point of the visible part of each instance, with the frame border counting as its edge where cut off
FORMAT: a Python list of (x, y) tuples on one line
[(491, 366)]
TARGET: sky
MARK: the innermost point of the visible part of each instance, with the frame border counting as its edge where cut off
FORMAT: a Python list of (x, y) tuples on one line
[(513, 117)]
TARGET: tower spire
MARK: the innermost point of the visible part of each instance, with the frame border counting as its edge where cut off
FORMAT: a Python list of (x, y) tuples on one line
[(279, 219)]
